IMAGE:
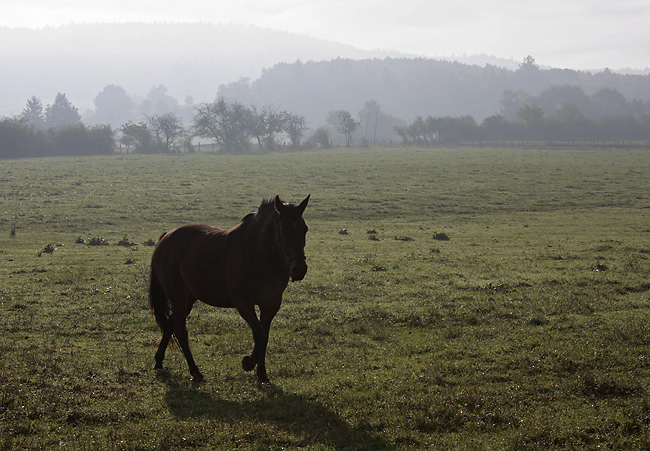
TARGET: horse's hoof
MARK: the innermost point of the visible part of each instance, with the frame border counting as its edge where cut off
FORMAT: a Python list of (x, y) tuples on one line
[(198, 378), (264, 379), (247, 363), (158, 366)]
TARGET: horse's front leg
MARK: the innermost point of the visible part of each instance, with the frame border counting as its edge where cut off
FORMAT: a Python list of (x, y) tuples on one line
[(260, 329), (267, 313), (247, 311)]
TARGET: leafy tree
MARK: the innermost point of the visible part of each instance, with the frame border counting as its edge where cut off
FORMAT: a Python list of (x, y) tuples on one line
[(453, 130), (556, 97), (158, 101), (167, 130), (102, 140), (321, 138), (265, 125), (496, 127), (432, 129), (113, 106), (81, 140), (295, 126), (61, 113), (533, 117), (610, 102), (512, 101), (32, 114), (137, 135), (531, 114), (15, 139), (421, 131), (228, 123), (403, 132), (344, 124)]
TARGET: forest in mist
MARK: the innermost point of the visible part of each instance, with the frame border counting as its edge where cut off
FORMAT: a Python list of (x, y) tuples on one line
[(196, 62), (114, 75), (411, 87)]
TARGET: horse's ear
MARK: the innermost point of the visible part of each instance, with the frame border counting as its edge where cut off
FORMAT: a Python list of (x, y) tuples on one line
[(279, 205), (303, 204)]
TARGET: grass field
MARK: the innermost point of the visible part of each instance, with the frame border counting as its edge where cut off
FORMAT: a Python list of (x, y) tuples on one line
[(478, 299)]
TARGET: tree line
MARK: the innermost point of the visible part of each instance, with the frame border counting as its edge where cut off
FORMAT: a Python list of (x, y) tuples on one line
[(52, 131), (560, 113), (58, 130), (230, 124), (411, 87), (18, 140), (159, 123), (530, 124), (237, 128)]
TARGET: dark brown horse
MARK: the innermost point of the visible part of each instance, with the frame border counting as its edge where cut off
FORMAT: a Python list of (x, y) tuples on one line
[(240, 268)]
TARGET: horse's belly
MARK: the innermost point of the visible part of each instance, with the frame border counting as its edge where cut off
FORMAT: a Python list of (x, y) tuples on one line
[(217, 301), (215, 298), (212, 292)]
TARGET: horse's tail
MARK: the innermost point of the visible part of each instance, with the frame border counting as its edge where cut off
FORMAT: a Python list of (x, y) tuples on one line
[(158, 302)]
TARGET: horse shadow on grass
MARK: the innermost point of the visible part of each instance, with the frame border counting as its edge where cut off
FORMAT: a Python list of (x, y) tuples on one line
[(292, 413)]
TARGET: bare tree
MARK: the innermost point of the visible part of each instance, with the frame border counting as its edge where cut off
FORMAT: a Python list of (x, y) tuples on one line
[(167, 130)]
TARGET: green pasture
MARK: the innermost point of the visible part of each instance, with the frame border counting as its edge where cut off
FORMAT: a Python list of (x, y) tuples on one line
[(455, 299)]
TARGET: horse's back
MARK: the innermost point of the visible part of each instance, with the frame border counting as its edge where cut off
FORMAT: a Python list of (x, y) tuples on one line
[(192, 260), (188, 242)]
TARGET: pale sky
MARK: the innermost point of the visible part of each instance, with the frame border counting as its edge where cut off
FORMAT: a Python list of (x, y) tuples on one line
[(575, 34)]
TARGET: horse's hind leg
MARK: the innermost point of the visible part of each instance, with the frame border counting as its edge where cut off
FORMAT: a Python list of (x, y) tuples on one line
[(180, 332), (162, 347)]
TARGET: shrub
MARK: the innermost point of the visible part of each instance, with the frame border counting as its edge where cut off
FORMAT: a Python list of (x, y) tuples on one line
[(96, 241), (125, 242), (48, 249)]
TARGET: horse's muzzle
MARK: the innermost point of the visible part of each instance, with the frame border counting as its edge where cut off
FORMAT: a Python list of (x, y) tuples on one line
[(297, 269)]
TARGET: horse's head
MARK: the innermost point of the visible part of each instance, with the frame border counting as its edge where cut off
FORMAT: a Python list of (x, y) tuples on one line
[(291, 232)]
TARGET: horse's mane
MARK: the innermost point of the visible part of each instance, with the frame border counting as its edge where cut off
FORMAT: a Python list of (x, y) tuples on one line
[(265, 210)]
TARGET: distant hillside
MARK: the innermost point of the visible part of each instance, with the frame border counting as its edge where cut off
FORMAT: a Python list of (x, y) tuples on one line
[(408, 87), (189, 59)]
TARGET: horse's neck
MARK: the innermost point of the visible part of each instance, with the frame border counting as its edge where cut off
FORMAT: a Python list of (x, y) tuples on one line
[(264, 234)]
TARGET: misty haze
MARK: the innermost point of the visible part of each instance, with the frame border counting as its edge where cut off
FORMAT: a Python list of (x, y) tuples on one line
[(113, 75)]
